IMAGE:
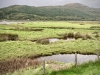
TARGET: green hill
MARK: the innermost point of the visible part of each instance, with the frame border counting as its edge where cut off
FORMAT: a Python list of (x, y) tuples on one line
[(73, 11)]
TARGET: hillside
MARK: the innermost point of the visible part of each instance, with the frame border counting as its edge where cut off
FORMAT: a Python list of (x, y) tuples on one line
[(73, 11)]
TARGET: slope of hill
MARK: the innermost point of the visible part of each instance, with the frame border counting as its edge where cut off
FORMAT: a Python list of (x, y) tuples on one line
[(73, 11)]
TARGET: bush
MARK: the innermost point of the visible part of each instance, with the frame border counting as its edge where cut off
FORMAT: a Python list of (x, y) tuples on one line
[(84, 37), (43, 41), (70, 35), (65, 36), (97, 35), (95, 32), (78, 35), (5, 37), (88, 36), (12, 37), (82, 24)]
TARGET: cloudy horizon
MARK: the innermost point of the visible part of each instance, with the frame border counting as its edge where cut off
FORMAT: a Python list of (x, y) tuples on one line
[(6, 3)]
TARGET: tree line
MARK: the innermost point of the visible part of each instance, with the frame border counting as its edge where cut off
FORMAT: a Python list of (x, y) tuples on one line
[(23, 12)]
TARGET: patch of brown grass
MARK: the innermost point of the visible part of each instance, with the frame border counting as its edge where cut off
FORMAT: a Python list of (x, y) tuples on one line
[(5, 37), (16, 64)]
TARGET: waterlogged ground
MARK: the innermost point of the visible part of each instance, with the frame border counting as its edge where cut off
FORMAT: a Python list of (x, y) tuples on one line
[(26, 47), (69, 58), (29, 32)]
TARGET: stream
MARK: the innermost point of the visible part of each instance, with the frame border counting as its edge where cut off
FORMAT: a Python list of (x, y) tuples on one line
[(69, 58)]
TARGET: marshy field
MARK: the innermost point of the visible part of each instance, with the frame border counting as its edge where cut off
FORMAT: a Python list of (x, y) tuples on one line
[(21, 43)]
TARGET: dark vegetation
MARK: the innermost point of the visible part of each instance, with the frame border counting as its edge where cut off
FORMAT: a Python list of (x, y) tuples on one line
[(95, 27), (65, 36), (76, 35), (16, 64), (43, 41), (25, 29), (68, 12), (6, 37)]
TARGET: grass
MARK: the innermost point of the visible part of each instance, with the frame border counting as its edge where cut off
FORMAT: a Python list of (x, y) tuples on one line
[(24, 47), (31, 35), (14, 49), (91, 68)]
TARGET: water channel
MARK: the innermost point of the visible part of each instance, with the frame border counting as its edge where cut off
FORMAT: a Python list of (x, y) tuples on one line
[(69, 58)]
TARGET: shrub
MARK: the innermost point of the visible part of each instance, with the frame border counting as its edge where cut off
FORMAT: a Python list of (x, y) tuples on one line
[(70, 35), (12, 37), (95, 32), (82, 24), (88, 36), (65, 36), (43, 41), (84, 37), (62, 36), (97, 35), (5, 37), (78, 35)]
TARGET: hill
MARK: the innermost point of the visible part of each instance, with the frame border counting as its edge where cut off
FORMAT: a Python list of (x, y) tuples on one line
[(73, 11)]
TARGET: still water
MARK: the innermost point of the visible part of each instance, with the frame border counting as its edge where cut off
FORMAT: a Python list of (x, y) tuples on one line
[(69, 58)]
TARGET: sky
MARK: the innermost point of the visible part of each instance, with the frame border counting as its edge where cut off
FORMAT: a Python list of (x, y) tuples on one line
[(90, 3)]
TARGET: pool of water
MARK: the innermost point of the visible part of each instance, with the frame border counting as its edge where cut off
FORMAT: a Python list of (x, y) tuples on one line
[(8, 22), (69, 58), (55, 39)]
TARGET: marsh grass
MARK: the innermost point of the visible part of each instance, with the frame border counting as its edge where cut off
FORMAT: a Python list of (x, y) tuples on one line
[(89, 68), (15, 49), (25, 48)]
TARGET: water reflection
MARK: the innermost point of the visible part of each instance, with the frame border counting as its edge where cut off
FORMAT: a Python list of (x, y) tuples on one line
[(68, 58)]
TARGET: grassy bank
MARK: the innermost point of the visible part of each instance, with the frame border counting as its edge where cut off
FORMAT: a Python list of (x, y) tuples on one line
[(90, 68), (15, 49)]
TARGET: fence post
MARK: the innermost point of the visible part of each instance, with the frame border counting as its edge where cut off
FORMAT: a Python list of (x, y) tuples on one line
[(43, 67), (75, 59), (97, 52)]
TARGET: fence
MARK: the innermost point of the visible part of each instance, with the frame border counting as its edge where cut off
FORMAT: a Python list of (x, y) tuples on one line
[(76, 64)]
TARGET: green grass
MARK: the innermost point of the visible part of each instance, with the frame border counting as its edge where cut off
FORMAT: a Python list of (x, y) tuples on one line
[(91, 68), (47, 32), (11, 49), (26, 48), (14, 49)]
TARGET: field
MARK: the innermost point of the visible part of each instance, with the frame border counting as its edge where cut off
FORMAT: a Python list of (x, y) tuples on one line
[(26, 46)]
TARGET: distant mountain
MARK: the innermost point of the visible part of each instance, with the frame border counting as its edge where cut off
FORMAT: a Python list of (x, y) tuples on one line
[(72, 11)]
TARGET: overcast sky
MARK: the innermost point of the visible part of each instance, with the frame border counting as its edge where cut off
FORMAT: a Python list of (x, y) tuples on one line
[(91, 3)]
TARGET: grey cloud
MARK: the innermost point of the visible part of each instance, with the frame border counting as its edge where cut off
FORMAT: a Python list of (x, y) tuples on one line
[(91, 3)]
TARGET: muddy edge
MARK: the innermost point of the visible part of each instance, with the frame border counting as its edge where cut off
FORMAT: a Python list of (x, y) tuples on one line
[(16, 64)]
